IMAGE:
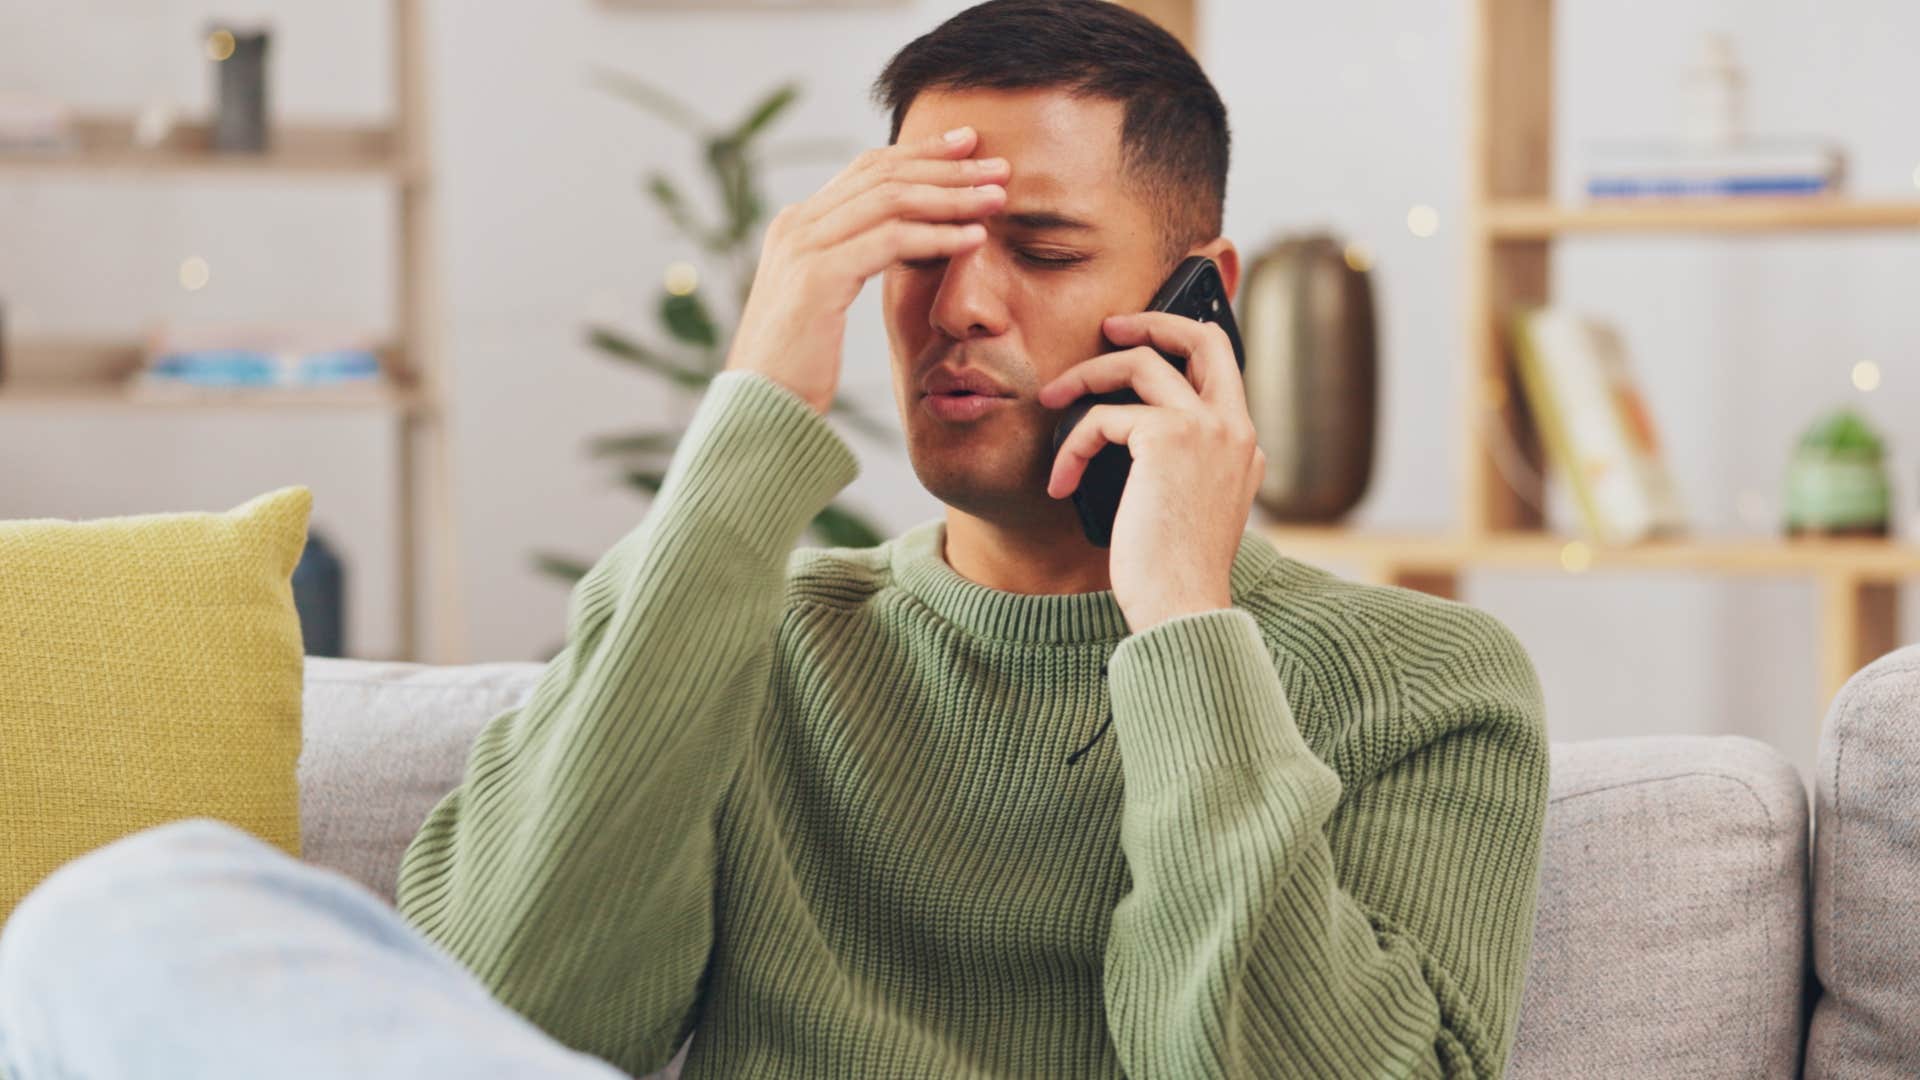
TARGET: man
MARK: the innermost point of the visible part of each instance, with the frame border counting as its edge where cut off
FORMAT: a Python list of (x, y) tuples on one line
[(828, 810), (987, 800)]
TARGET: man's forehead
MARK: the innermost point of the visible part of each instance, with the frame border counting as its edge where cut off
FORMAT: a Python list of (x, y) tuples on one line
[(1063, 148)]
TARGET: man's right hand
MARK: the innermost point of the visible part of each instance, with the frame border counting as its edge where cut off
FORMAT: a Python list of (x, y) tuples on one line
[(895, 203)]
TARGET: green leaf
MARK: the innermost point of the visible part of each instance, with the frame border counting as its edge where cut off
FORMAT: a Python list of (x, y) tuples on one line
[(733, 174), (1842, 430), (764, 113), (624, 348), (675, 206), (646, 480), (653, 99), (647, 442), (561, 566), (686, 317), (844, 528)]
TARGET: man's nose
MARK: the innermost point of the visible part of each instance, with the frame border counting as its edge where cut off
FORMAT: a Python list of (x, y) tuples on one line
[(969, 302)]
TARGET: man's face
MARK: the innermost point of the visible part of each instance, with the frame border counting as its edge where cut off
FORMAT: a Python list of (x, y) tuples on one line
[(1070, 246)]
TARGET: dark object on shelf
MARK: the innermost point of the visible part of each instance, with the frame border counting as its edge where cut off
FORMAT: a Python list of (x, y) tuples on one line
[(319, 598), (240, 88), (1306, 318), (1837, 480)]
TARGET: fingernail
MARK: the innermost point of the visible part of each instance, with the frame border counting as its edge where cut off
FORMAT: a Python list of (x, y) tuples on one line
[(957, 134)]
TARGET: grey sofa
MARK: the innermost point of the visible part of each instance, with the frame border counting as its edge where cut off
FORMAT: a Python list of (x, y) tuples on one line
[(1691, 923)]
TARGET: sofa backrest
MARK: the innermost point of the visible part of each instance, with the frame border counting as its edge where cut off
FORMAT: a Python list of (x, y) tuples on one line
[(383, 744), (1670, 938), (1672, 915), (1866, 863)]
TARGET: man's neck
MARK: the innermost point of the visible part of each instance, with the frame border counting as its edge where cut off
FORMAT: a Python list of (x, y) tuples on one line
[(1031, 558)]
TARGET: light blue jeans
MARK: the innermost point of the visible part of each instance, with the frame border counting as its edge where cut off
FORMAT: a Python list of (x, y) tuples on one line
[(195, 950)]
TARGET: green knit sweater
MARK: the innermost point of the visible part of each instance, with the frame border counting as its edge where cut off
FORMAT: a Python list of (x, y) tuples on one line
[(825, 806)]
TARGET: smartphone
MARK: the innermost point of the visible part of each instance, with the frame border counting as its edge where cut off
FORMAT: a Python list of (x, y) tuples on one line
[(1194, 291)]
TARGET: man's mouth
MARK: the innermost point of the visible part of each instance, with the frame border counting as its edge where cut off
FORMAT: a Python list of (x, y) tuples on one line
[(962, 405)]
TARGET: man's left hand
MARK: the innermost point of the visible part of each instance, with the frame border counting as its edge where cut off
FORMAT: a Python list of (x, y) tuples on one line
[(1195, 468)]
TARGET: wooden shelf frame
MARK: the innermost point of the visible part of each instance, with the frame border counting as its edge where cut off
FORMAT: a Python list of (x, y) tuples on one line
[(1735, 556), (107, 144), (1512, 224), (92, 375), (1856, 580), (1535, 219), (97, 375)]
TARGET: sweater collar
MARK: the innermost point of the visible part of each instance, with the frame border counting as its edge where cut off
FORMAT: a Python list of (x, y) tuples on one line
[(921, 569)]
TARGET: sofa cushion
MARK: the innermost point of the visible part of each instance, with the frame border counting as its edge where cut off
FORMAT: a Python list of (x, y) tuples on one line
[(1671, 930), (385, 742), (149, 671), (1670, 934), (1866, 877)]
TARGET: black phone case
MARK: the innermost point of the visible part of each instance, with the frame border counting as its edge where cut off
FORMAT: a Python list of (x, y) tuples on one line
[(1195, 291)]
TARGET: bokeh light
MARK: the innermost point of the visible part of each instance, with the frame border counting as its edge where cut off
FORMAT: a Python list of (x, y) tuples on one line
[(194, 273), (1866, 376), (682, 279), (1576, 557)]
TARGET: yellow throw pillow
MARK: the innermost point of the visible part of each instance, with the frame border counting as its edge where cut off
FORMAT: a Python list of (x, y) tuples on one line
[(150, 670)]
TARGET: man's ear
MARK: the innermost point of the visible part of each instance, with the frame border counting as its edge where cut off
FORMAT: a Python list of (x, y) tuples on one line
[(1227, 258)]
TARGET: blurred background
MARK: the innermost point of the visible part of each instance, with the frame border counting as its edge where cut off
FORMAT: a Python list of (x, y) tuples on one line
[(213, 218)]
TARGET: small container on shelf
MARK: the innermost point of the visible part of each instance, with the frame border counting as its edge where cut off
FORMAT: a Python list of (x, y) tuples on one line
[(239, 56), (1837, 480)]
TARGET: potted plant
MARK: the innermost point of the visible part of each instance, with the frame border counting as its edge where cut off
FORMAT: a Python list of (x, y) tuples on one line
[(1837, 479), (697, 340)]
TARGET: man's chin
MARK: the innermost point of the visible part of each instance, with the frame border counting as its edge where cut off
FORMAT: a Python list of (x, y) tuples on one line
[(993, 495)]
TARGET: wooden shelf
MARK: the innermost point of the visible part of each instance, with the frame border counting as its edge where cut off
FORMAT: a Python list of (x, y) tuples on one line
[(106, 144), (43, 378), (97, 375), (41, 395), (1532, 219), (1448, 553), (1513, 225)]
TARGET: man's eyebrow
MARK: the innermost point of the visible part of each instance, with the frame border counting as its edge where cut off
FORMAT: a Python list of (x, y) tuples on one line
[(1047, 219)]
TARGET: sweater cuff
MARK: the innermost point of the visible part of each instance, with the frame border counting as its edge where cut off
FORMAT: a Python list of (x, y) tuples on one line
[(1195, 694), (759, 461)]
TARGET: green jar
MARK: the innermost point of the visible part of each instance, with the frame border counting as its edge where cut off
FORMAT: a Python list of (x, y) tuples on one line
[(1837, 480)]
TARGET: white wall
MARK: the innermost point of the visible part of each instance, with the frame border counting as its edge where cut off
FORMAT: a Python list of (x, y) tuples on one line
[(1344, 116)]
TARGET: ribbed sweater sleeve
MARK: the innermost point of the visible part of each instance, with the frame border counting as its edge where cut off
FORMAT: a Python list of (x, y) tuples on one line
[(1247, 947), (573, 868)]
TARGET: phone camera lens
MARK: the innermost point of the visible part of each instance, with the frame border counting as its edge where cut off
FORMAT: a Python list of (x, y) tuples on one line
[(1208, 287)]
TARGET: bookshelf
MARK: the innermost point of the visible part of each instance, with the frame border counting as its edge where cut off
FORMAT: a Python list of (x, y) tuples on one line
[(1511, 229), (49, 376)]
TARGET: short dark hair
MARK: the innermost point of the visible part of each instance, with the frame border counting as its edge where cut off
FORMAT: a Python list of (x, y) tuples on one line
[(1173, 140)]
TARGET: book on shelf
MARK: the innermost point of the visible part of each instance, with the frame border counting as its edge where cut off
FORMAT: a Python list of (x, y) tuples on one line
[(1594, 422), (1776, 167), (229, 360)]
